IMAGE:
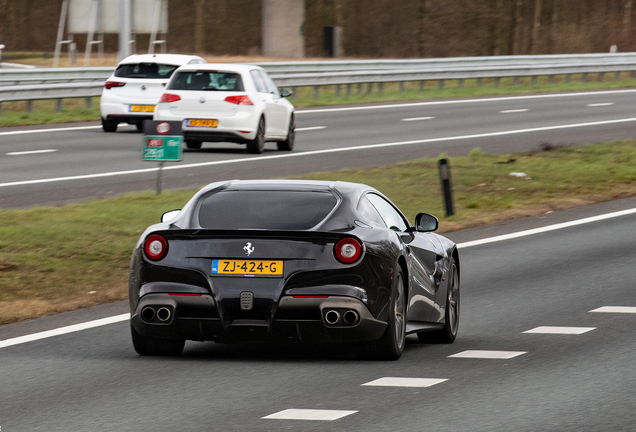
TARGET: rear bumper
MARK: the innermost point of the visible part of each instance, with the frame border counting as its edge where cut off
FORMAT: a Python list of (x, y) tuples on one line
[(129, 118), (305, 319)]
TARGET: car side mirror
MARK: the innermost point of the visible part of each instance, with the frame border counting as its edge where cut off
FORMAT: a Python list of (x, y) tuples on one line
[(286, 92), (170, 215), (425, 222)]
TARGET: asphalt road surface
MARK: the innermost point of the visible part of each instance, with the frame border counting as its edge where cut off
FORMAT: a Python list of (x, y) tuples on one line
[(516, 293), (580, 380), (58, 164)]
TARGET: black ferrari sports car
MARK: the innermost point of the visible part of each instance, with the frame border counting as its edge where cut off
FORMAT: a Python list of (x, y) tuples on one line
[(288, 260)]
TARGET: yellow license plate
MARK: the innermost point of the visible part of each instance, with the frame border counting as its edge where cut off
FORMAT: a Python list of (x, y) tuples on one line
[(202, 123), (142, 108), (247, 267)]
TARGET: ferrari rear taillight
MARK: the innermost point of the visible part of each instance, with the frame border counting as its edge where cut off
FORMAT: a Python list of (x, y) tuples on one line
[(167, 97), (155, 247), (239, 100), (348, 250), (110, 84)]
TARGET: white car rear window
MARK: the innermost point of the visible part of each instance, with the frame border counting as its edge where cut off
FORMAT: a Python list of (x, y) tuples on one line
[(145, 70), (207, 80)]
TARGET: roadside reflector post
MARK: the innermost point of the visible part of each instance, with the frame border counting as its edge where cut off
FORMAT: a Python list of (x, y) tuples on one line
[(162, 142), (444, 175)]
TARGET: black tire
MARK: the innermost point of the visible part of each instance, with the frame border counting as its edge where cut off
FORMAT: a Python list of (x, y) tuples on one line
[(193, 144), (448, 333), (257, 145), (391, 345), (109, 125), (139, 126), (150, 346), (288, 144)]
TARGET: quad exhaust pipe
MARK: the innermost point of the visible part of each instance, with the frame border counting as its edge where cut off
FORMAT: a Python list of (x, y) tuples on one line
[(332, 317), (162, 314), (350, 317), (148, 313)]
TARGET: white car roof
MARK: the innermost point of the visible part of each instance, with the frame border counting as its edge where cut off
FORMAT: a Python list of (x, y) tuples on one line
[(225, 67), (173, 59)]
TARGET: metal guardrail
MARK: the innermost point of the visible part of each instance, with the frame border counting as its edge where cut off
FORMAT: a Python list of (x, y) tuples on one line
[(61, 83)]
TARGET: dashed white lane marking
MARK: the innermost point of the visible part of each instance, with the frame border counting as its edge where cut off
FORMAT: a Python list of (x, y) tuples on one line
[(30, 152), (310, 128), (309, 414), (560, 330), (520, 110), (600, 104), (35, 131), (480, 354), (405, 382), (416, 119), (318, 152), (616, 309), (464, 101), (546, 228), (64, 330)]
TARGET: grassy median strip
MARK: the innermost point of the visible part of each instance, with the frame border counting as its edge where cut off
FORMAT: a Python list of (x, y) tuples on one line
[(45, 111), (54, 259)]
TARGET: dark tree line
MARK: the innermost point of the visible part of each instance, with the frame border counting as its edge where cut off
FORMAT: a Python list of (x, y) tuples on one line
[(371, 28)]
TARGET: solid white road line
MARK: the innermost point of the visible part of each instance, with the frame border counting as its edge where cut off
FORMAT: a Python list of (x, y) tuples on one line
[(480, 354), (616, 309), (319, 152), (30, 152), (546, 228), (609, 309), (416, 119), (405, 382), (560, 330), (464, 101), (520, 110), (310, 128), (309, 414), (600, 104), (35, 131), (64, 330)]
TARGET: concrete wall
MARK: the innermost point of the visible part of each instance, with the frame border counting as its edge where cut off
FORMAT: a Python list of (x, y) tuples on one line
[(283, 32)]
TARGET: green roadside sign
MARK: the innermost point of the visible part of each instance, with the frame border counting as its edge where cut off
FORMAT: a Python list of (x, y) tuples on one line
[(162, 141), (162, 148)]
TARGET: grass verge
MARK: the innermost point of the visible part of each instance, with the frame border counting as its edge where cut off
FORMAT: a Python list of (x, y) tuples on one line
[(54, 259)]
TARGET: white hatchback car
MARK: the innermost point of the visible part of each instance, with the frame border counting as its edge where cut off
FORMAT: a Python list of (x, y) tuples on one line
[(228, 102), (133, 90)]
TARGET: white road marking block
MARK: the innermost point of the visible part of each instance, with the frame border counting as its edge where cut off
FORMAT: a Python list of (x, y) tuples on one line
[(560, 330), (482, 354), (417, 119), (310, 128), (405, 382), (514, 111), (309, 414), (600, 104), (616, 309), (30, 152), (64, 330)]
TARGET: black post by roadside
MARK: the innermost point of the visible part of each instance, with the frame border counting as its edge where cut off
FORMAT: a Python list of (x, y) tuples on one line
[(444, 175)]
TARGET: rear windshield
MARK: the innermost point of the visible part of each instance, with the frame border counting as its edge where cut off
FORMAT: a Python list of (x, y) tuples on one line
[(207, 80), (145, 70), (265, 209)]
